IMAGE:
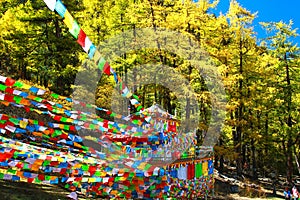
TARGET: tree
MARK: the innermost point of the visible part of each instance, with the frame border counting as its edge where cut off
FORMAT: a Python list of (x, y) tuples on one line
[(38, 46), (287, 85)]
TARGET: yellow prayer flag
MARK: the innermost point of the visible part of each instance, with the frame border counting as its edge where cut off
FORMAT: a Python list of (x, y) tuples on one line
[(103, 174), (23, 124), (129, 94), (97, 56), (140, 167), (38, 111), (68, 19), (77, 166), (205, 168), (60, 159), (92, 180), (25, 86), (70, 120), (119, 143)]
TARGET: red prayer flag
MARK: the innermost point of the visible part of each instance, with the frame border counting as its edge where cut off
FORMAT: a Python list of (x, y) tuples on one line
[(9, 90), (92, 170), (9, 82), (30, 180), (8, 98), (41, 177), (57, 118), (81, 38), (106, 68)]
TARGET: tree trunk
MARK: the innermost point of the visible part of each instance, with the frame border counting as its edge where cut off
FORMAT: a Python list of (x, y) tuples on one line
[(239, 114), (254, 171), (289, 123)]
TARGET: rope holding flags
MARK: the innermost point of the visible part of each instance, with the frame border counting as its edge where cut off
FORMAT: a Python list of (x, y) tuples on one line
[(87, 45)]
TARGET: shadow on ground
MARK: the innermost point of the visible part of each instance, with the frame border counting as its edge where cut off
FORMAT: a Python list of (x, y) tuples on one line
[(10, 190)]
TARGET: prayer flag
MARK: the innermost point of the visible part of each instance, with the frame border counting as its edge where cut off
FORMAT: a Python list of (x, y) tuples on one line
[(60, 8), (50, 4)]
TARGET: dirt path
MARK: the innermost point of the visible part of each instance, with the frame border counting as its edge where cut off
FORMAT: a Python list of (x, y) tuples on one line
[(237, 197)]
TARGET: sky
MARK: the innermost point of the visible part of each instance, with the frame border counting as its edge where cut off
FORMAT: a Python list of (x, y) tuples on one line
[(269, 11)]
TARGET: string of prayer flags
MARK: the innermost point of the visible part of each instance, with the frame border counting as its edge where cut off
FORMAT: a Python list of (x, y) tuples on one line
[(84, 41), (12, 83)]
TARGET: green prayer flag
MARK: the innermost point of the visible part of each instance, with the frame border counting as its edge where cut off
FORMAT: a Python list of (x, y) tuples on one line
[(135, 121), (66, 127), (139, 108), (85, 148), (26, 166), (46, 163), (55, 95), (63, 119), (18, 84), (132, 187), (138, 134), (85, 167), (92, 126), (115, 130), (136, 97), (97, 173), (113, 114), (89, 105), (36, 180), (75, 184), (38, 99), (11, 171), (147, 166), (83, 118), (3, 87), (14, 121), (17, 99), (152, 187), (75, 29), (56, 133), (131, 174), (101, 63), (198, 170), (46, 136)]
